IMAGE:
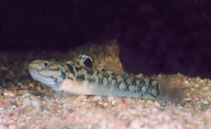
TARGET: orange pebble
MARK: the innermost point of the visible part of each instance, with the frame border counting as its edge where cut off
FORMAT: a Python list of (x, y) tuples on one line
[(169, 102), (78, 100), (19, 102), (5, 100), (209, 99), (13, 117), (38, 88), (70, 118), (122, 105), (26, 87), (34, 127)]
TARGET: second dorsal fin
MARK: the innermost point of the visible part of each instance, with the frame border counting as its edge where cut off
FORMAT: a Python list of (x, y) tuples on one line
[(111, 68)]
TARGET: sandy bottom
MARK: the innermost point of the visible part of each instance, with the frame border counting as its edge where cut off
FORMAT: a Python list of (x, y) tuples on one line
[(27, 104)]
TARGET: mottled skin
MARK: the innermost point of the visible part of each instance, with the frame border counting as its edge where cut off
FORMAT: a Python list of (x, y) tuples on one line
[(78, 79)]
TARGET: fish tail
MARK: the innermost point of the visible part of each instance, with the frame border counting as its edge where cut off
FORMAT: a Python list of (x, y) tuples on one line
[(171, 88)]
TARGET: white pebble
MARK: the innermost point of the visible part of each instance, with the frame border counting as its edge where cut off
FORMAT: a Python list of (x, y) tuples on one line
[(135, 124), (26, 101), (97, 98), (35, 103)]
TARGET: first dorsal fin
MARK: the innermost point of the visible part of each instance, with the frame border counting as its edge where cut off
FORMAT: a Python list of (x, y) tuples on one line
[(85, 60)]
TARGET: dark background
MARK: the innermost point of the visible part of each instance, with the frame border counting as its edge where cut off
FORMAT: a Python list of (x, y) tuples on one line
[(154, 36)]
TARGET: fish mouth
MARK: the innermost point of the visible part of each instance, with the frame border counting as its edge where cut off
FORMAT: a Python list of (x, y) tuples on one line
[(47, 80)]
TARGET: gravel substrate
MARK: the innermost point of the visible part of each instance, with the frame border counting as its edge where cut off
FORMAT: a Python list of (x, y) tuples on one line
[(27, 104)]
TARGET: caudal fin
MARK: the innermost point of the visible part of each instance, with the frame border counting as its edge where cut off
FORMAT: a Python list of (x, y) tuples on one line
[(171, 88)]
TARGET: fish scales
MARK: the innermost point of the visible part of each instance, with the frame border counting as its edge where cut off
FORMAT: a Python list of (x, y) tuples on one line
[(77, 79), (112, 81)]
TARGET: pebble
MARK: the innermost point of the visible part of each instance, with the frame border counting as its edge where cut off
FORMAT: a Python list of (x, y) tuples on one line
[(26, 102), (35, 103), (97, 98), (13, 127), (3, 126), (111, 100), (205, 106), (207, 116), (9, 94), (135, 124)]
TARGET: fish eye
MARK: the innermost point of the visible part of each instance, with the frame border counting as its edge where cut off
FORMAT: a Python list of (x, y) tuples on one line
[(45, 64)]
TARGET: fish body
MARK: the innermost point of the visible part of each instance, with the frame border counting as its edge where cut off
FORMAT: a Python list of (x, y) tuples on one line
[(78, 79)]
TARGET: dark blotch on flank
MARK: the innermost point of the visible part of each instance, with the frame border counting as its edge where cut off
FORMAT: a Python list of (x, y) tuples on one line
[(70, 67), (77, 68), (91, 80), (97, 73), (134, 82), (80, 78), (116, 84), (90, 72), (109, 82), (140, 85), (148, 90), (100, 80), (157, 89), (106, 75), (127, 85), (139, 89)]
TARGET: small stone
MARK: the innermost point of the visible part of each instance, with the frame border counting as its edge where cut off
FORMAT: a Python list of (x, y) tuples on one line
[(105, 104), (34, 127), (112, 100), (35, 103), (13, 107), (13, 127), (26, 102), (135, 124), (207, 117), (10, 94), (97, 98), (3, 126), (206, 88)]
